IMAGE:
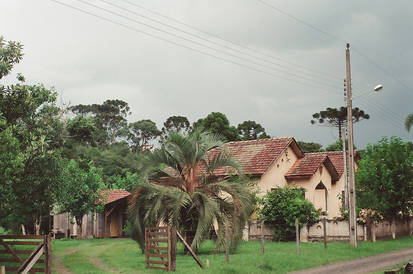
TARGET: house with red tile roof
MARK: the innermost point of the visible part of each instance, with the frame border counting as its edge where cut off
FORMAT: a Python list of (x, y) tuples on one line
[(280, 162)]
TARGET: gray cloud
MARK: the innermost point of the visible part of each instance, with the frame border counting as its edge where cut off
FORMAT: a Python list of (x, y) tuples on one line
[(89, 60)]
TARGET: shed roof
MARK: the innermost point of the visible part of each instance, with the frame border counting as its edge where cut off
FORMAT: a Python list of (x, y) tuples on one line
[(114, 195)]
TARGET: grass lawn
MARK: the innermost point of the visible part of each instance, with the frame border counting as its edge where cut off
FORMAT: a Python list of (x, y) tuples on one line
[(124, 255)]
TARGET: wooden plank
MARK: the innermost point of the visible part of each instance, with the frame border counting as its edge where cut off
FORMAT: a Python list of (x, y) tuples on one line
[(158, 233), (157, 248), (158, 240), (146, 247), (14, 260), (16, 251), (34, 269), (11, 251), (172, 248), (157, 262), (190, 250), (22, 242), (31, 260), (22, 237), (157, 255)]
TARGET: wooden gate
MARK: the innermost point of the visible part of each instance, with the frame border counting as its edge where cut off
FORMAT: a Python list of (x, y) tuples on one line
[(160, 248), (18, 254)]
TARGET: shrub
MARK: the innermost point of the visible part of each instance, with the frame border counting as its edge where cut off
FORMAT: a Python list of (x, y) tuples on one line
[(280, 208)]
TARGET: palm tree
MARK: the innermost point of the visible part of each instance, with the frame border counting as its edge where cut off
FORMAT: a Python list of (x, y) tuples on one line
[(408, 122), (181, 190)]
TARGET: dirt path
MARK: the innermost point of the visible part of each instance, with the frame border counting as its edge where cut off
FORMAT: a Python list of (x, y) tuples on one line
[(58, 264), (364, 265), (99, 263)]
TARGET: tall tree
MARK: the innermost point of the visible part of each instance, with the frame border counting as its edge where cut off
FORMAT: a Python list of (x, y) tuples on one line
[(142, 132), (251, 130), (176, 123), (385, 178), (217, 123), (11, 53), (334, 117), (181, 190), (307, 147), (109, 118), (408, 122)]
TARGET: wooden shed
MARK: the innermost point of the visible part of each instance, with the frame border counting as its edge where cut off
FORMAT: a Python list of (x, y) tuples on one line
[(115, 217), (109, 223)]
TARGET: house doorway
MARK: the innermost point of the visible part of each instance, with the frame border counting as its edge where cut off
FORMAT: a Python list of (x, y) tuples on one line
[(321, 197)]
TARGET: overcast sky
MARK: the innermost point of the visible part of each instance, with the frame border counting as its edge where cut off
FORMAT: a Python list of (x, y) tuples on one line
[(291, 63)]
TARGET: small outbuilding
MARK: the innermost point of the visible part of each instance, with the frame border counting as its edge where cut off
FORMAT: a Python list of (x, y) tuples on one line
[(106, 224)]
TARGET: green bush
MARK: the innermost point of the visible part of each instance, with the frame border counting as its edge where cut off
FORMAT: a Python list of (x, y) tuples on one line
[(280, 208)]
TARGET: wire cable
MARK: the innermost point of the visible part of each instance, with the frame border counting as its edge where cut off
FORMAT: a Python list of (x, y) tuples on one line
[(190, 48), (325, 75), (206, 46)]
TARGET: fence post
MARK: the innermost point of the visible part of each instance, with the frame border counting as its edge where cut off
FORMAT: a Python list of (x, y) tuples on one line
[(373, 231), (297, 236), (173, 248), (2, 269), (325, 231), (48, 255), (227, 243), (262, 237)]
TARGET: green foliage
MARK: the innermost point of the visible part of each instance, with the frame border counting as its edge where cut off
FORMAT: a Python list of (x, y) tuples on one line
[(80, 190), (141, 132), (11, 53), (280, 208), (308, 147), (337, 146), (181, 190), (217, 123), (250, 130), (109, 118), (83, 130), (176, 123), (385, 178)]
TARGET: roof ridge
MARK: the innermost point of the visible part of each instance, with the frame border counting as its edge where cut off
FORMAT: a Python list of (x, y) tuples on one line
[(256, 140)]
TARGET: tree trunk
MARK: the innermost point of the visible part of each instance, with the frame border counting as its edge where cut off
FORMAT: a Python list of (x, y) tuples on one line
[(79, 226), (36, 225), (393, 228), (23, 230)]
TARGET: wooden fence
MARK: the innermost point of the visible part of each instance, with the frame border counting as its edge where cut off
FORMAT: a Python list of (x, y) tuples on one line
[(160, 248), (19, 255)]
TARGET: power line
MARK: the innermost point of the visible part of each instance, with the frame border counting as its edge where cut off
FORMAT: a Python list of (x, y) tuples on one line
[(188, 47), (303, 68), (315, 28), (206, 46)]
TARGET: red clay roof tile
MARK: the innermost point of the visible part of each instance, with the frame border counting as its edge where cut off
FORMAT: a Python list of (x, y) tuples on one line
[(254, 156), (114, 195)]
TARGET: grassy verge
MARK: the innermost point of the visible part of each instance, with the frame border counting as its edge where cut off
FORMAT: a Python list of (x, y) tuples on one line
[(124, 256)]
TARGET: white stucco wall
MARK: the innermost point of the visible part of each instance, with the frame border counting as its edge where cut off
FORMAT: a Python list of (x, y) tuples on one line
[(274, 176)]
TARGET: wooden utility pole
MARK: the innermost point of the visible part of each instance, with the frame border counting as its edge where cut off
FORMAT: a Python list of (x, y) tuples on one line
[(346, 189), (352, 183)]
